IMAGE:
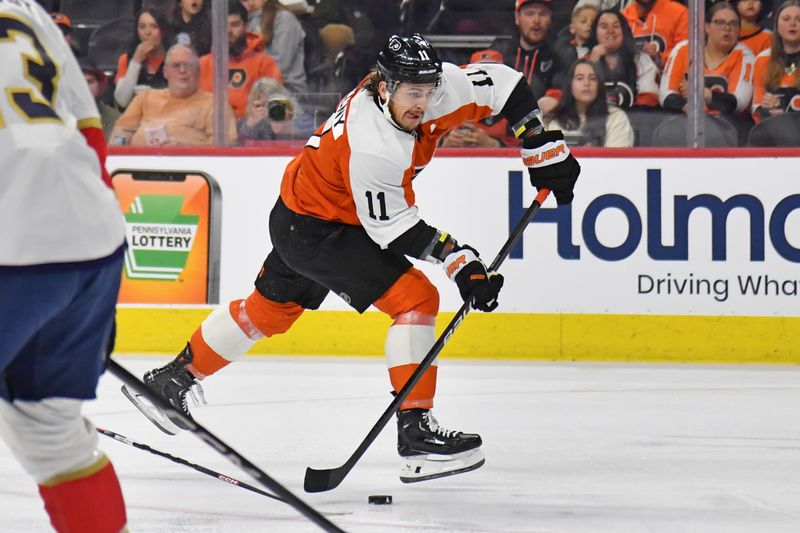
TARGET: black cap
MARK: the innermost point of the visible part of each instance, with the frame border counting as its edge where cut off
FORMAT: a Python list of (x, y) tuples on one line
[(409, 59)]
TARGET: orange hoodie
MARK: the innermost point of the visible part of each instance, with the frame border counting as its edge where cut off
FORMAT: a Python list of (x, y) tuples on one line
[(243, 71), (666, 24)]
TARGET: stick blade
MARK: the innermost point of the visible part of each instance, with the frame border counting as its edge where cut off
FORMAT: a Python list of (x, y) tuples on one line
[(322, 480)]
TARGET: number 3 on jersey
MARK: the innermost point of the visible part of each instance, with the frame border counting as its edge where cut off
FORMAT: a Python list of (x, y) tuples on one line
[(32, 104)]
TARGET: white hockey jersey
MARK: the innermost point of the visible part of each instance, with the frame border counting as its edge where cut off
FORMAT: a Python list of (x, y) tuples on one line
[(358, 167), (54, 206)]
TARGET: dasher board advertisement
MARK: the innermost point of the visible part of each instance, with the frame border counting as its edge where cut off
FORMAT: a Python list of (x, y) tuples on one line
[(172, 223)]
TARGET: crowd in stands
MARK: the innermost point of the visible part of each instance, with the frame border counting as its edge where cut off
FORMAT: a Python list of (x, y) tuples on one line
[(610, 73)]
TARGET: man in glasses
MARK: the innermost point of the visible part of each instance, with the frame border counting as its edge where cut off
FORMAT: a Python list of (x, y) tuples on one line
[(346, 221), (181, 114)]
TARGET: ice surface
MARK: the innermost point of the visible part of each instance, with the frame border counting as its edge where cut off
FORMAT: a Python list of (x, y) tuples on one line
[(569, 448)]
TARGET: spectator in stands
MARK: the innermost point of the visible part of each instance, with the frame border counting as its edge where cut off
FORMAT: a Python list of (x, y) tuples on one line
[(254, 9), (284, 40), (657, 26), (181, 114), (350, 13), (776, 77), (491, 132), (191, 25), (272, 114), (728, 67), (631, 77), (334, 39), (142, 66), (246, 61), (97, 81), (751, 33), (583, 113), (65, 25), (579, 31), (532, 53)]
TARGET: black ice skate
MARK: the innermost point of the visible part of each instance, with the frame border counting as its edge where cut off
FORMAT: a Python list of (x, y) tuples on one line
[(429, 451), (172, 382)]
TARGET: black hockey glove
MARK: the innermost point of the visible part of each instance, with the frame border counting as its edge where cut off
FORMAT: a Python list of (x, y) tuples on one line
[(465, 268), (551, 164)]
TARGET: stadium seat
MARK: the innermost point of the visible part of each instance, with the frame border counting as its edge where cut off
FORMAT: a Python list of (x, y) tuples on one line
[(48, 5), (108, 42), (319, 106), (718, 132), (780, 130), (470, 17), (93, 12), (644, 122)]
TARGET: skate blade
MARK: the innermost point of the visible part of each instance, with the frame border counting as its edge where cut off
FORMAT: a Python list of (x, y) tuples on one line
[(153, 413), (433, 466)]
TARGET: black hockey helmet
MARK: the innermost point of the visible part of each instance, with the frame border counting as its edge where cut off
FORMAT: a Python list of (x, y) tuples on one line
[(409, 59)]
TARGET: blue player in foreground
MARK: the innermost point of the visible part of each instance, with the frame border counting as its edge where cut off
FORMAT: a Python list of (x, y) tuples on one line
[(60, 261)]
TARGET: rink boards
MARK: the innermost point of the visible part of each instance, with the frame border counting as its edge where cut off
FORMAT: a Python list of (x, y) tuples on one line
[(663, 256)]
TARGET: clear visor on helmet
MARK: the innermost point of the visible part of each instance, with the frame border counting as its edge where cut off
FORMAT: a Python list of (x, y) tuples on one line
[(414, 94)]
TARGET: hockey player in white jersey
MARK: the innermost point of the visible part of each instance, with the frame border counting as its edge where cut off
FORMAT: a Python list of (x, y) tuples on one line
[(346, 221), (61, 240)]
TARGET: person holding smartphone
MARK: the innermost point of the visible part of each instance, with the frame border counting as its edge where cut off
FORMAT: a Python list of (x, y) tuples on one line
[(777, 69), (728, 67)]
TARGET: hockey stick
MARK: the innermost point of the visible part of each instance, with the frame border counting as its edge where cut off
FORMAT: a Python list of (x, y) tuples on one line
[(322, 480), (180, 461), (222, 477), (228, 452)]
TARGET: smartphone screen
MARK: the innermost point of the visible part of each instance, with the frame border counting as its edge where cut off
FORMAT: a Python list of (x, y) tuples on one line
[(172, 221)]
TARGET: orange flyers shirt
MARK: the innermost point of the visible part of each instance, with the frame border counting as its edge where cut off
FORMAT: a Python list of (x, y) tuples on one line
[(358, 168), (757, 41), (666, 24), (734, 75), (243, 71), (787, 88)]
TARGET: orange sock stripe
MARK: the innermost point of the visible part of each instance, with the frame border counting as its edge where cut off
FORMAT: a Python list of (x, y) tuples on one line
[(205, 361), (271, 318), (422, 394), (411, 292), (91, 503)]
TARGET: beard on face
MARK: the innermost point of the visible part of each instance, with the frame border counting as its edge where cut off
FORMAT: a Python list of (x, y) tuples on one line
[(238, 46)]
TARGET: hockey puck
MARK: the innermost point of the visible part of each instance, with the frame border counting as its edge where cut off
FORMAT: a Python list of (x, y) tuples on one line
[(380, 499)]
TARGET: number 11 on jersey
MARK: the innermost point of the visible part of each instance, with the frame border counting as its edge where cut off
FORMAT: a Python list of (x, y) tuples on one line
[(381, 197)]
